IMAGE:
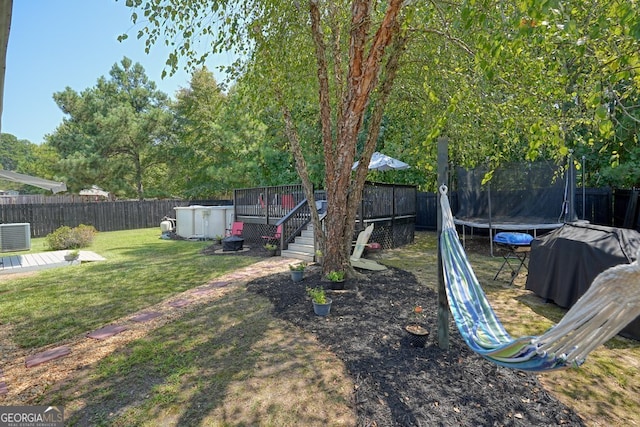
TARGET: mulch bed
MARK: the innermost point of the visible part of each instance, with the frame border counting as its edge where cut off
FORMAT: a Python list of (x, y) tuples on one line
[(397, 384)]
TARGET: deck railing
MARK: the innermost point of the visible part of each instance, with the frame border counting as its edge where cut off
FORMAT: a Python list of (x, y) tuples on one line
[(266, 204), (387, 201), (270, 204), (294, 222), (391, 207)]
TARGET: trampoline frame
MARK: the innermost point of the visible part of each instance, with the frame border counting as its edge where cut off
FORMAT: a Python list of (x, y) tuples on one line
[(494, 228), (527, 224)]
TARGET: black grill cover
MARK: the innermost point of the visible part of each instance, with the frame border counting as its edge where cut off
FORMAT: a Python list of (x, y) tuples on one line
[(232, 243), (564, 263)]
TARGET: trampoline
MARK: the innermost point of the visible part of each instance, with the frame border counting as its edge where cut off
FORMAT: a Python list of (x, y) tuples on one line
[(525, 197)]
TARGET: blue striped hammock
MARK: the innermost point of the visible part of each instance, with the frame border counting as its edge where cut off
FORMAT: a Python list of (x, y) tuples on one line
[(611, 302)]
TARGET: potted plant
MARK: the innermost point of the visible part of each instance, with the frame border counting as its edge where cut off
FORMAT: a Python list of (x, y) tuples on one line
[(72, 255), (217, 239), (336, 278), (417, 334), (297, 271), (321, 304), (271, 249)]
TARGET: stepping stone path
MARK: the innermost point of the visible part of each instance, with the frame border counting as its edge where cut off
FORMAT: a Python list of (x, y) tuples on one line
[(259, 269), (201, 292), (205, 290), (45, 356), (179, 303), (106, 332), (145, 317), (3, 385)]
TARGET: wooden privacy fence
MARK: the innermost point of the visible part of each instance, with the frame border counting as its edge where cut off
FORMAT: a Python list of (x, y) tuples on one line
[(35, 199), (392, 201), (602, 206), (104, 216)]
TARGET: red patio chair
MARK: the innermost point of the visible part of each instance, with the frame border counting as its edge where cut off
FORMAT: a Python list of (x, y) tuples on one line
[(275, 238), (236, 229), (287, 201)]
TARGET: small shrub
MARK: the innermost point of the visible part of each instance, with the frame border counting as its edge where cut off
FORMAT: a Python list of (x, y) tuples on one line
[(85, 235), (317, 295), (336, 276), (72, 255), (60, 238), (298, 267), (66, 237)]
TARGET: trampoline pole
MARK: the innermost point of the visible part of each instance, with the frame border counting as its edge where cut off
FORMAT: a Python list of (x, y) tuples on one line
[(584, 191), (490, 229)]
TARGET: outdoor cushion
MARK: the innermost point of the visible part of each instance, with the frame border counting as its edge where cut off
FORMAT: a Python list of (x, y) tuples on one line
[(508, 238)]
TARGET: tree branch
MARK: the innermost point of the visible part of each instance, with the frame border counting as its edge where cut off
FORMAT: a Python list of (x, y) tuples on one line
[(323, 80), (458, 42), (390, 72)]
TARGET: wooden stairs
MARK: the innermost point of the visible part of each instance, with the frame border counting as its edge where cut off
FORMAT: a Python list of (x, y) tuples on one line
[(303, 247)]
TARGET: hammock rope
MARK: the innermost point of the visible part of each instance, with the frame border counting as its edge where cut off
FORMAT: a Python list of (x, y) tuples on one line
[(611, 302)]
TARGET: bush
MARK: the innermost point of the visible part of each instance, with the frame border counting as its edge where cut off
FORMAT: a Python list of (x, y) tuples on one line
[(71, 238), (85, 234)]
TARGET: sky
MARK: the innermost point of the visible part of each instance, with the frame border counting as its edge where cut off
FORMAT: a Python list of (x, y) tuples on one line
[(54, 44)]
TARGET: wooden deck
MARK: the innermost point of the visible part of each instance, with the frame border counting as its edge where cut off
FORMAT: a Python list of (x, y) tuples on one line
[(29, 262)]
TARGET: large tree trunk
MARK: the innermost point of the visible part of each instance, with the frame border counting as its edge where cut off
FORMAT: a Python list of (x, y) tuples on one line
[(390, 72), (343, 194), (301, 168)]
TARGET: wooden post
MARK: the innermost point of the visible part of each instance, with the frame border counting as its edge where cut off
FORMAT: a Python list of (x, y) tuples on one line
[(393, 215), (443, 304)]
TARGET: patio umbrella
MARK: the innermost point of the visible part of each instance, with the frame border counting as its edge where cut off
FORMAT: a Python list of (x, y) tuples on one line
[(382, 162)]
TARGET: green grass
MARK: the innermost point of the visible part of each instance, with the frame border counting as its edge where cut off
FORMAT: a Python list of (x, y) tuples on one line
[(141, 270), (173, 370), (234, 358), (230, 362)]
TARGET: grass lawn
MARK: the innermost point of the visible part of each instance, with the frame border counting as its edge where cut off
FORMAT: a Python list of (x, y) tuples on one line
[(141, 270), (230, 362)]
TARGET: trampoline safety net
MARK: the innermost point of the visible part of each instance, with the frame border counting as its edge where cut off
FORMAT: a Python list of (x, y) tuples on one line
[(516, 193)]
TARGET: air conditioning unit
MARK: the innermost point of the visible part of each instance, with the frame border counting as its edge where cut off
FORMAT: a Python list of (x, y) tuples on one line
[(15, 237)]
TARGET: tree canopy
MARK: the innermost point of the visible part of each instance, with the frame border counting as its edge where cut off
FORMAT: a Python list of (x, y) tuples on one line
[(22, 156), (504, 80), (114, 134), (321, 84), (218, 140)]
